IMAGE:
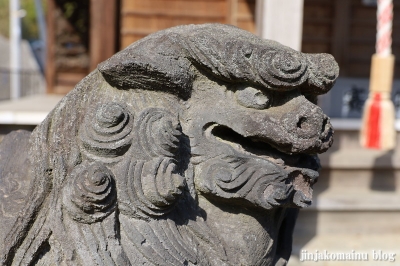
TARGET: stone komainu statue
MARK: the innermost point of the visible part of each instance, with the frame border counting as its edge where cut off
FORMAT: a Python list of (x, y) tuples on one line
[(193, 146)]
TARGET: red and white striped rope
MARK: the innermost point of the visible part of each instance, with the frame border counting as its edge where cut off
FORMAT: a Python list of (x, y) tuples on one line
[(384, 27)]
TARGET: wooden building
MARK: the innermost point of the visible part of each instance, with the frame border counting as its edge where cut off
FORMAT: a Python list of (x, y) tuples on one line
[(140, 18), (83, 33), (347, 30)]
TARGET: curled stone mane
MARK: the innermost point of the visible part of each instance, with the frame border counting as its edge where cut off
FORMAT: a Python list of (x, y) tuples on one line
[(168, 59), (193, 146)]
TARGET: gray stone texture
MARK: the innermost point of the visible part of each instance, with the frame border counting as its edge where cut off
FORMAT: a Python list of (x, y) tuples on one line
[(193, 146)]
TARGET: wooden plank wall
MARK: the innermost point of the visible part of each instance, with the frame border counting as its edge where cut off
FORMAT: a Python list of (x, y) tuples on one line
[(346, 29), (136, 19), (140, 18), (246, 15), (67, 55), (318, 21), (70, 58), (103, 30)]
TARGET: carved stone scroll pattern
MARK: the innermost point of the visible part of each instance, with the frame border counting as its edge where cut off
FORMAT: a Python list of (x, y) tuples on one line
[(158, 132), (282, 68), (151, 187), (106, 131), (257, 181), (90, 195)]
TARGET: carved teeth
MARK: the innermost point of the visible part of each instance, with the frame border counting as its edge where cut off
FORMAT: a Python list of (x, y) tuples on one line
[(303, 188), (262, 150), (311, 175)]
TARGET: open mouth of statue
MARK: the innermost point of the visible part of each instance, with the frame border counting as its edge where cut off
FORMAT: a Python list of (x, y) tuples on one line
[(301, 169)]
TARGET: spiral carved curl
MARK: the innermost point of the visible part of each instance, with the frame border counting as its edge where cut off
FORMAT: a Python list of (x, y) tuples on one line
[(323, 72), (90, 194), (151, 187), (106, 132), (158, 132), (282, 68)]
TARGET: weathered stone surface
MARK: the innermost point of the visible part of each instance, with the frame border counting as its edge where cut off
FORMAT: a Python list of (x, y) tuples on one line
[(193, 146)]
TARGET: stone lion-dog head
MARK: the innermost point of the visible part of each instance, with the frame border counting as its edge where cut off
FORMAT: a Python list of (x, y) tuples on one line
[(193, 146)]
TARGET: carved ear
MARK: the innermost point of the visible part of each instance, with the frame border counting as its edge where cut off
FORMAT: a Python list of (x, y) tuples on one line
[(154, 63), (150, 183)]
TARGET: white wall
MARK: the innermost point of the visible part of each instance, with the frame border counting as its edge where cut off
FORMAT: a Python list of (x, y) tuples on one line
[(281, 21)]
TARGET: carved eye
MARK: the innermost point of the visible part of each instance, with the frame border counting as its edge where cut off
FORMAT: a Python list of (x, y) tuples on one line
[(252, 98)]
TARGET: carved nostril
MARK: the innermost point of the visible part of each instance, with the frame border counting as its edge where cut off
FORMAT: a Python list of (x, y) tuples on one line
[(324, 124), (302, 123)]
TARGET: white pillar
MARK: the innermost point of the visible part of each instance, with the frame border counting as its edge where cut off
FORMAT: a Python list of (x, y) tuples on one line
[(15, 49), (281, 21)]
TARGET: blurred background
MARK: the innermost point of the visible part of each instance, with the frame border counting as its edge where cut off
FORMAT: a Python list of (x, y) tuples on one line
[(47, 46)]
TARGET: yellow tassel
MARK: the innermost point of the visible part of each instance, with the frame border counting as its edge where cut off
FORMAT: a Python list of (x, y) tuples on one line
[(378, 124)]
